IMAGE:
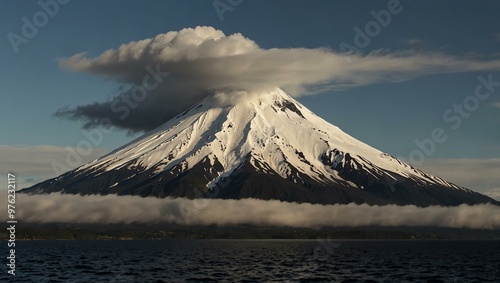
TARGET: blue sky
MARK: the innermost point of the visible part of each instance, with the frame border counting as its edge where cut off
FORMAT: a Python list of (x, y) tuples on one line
[(387, 115)]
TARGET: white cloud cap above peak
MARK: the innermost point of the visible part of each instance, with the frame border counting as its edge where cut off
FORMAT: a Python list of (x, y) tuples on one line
[(204, 60)]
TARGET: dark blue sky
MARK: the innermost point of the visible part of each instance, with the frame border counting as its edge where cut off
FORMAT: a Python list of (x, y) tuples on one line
[(388, 116)]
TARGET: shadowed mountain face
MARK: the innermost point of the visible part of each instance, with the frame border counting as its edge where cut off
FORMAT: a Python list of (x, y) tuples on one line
[(267, 146)]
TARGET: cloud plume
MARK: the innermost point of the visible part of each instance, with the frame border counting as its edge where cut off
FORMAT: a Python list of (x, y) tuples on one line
[(203, 60), (62, 208)]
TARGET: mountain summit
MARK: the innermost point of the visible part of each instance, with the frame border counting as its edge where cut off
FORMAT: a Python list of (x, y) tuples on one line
[(265, 146)]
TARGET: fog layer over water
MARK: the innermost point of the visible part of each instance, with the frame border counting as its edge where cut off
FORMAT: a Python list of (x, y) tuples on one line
[(66, 208)]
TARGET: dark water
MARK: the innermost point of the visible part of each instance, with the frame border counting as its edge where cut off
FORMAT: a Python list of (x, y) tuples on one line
[(255, 261)]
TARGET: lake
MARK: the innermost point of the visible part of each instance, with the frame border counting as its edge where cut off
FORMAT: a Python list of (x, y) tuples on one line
[(255, 261)]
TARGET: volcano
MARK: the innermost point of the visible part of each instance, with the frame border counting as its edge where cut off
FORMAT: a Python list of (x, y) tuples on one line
[(264, 146)]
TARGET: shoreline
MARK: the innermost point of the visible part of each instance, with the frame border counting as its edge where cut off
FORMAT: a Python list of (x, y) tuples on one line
[(166, 232)]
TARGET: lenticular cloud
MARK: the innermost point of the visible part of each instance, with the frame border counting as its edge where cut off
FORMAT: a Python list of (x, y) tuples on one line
[(61, 208), (201, 61)]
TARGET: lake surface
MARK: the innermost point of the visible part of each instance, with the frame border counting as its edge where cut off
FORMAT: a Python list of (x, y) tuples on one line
[(255, 261)]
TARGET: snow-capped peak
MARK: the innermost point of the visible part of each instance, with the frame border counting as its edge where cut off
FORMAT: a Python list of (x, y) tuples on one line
[(269, 128)]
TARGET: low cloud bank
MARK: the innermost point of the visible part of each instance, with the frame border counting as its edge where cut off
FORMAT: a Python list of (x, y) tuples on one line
[(63, 208)]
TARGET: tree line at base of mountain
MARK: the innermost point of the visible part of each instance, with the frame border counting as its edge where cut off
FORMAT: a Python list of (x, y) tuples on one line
[(159, 232)]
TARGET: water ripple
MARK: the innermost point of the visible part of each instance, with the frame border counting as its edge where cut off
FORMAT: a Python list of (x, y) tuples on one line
[(256, 261)]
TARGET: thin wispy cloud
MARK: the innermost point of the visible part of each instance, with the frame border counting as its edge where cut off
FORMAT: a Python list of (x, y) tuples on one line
[(415, 42), (476, 174), (57, 208), (204, 60), (493, 193), (33, 164)]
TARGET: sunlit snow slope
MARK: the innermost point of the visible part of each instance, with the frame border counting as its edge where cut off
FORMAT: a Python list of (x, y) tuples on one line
[(266, 146)]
